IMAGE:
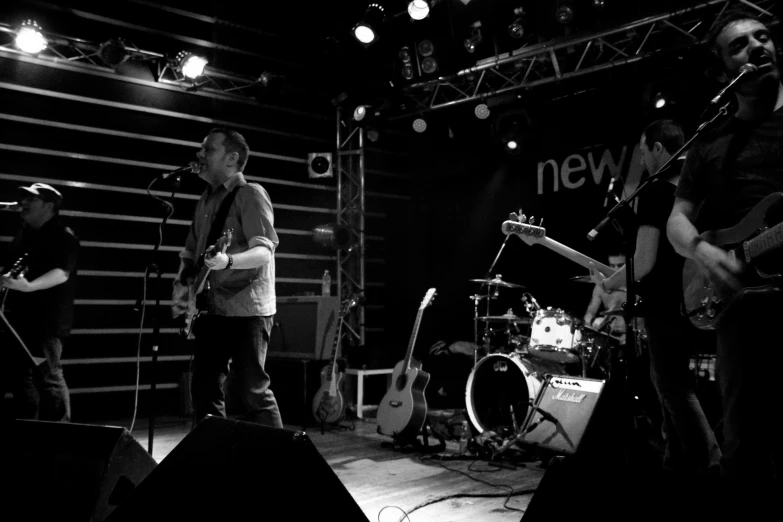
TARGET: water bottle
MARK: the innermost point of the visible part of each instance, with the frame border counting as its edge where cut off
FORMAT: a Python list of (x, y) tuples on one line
[(326, 284)]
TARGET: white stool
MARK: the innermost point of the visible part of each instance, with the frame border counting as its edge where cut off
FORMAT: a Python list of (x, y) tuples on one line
[(360, 375)]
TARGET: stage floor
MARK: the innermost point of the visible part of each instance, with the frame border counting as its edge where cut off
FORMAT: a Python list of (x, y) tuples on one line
[(385, 481)]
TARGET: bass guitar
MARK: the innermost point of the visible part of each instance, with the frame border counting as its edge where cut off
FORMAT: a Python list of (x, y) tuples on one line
[(328, 402), (756, 243), (403, 410), (196, 290), (536, 235)]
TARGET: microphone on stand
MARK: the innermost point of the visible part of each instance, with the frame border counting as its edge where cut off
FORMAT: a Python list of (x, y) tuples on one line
[(748, 68), (9, 205), (610, 189), (191, 167)]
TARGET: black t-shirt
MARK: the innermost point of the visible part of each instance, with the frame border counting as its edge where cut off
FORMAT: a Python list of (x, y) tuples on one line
[(733, 168), (50, 311), (662, 287)]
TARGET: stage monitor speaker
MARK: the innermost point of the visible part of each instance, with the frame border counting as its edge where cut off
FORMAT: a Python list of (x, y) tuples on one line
[(74, 472), (232, 470), (304, 327), (561, 413)]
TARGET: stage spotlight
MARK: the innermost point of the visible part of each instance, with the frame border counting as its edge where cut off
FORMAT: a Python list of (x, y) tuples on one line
[(367, 31), (333, 235), (418, 9), (475, 37), (419, 125), (113, 53), (564, 13), (660, 101), (29, 37), (373, 135), (512, 145), (319, 165), (407, 71), (190, 65), (516, 30), (359, 113), (426, 48), (428, 63), (405, 54), (481, 111)]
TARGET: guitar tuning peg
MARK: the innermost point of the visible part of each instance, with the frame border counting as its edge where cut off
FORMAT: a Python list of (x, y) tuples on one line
[(541, 223), (531, 220), (522, 218)]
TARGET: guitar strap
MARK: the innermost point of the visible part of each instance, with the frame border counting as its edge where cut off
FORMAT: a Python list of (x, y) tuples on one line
[(220, 217)]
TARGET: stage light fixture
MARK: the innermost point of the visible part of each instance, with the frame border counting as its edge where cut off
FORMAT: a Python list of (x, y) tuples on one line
[(660, 101), (359, 113), (407, 71), (429, 65), (419, 125), (516, 29), (29, 37), (512, 145), (191, 65), (405, 54), (564, 13), (475, 37), (373, 135), (113, 52), (426, 50), (333, 235), (418, 9), (481, 111), (367, 31), (319, 164), (599, 4)]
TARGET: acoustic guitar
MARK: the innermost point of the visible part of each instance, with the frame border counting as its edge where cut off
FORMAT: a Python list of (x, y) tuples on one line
[(403, 410), (328, 402), (756, 243), (196, 290), (18, 269)]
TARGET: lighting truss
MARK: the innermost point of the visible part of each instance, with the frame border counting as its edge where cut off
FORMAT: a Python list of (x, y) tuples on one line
[(563, 59), (350, 214), (86, 54)]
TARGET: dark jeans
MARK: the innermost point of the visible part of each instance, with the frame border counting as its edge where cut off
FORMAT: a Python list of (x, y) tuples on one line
[(750, 354), (690, 442), (242, 341), (40, 392)]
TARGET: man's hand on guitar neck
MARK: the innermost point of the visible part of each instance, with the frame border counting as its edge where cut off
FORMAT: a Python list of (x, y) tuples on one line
[(716, 263)]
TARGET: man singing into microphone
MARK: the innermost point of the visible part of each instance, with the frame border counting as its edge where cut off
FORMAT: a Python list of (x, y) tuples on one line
[(241, 298), (731, 169)]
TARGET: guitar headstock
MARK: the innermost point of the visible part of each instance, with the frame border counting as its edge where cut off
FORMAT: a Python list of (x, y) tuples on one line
[(428, 298), (19, 268), (520, 226)]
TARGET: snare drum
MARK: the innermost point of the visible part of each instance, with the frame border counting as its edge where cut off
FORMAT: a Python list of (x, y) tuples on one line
[(499, 390), (554, 337)]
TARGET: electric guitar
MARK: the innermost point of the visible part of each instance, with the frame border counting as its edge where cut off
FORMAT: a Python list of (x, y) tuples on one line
[(403, 410), (328, 402), (196, 289), (756, 243), (536, 235), (18, 269)]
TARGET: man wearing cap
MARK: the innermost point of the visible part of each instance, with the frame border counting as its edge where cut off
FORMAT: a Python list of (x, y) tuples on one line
[(41, 304)]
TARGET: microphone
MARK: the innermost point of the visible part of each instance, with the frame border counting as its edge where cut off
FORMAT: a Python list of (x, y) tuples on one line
[(748, 68), (532, 300), (9, 205), (191, 167), (610, 189)]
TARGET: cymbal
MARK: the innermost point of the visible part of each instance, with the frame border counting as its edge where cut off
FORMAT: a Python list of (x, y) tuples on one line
[(496, 282), (511, 318), (581, 279)]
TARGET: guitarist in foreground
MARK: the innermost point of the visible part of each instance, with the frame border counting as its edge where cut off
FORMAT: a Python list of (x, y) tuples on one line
[(241, 296), (40, 305), (736, 172)]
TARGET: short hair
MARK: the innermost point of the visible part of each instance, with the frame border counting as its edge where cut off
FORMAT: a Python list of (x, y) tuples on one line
[(726, 19), (234, 142), (667, 132)]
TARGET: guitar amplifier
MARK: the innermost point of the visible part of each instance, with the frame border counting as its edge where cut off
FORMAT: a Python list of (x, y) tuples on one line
[(304, 327), (561, 413)]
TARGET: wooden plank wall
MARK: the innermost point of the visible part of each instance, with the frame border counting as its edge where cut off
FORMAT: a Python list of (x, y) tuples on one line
[(101, 139)]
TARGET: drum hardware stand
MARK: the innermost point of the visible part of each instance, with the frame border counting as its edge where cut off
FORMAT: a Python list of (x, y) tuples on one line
[(476, 299), (621, 212)]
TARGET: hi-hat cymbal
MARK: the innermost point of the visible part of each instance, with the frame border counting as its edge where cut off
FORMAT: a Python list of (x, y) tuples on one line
[(510, 318), (496, 282), (581, 279)]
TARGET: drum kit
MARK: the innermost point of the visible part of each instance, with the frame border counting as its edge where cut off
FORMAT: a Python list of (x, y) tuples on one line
[(515, 352)]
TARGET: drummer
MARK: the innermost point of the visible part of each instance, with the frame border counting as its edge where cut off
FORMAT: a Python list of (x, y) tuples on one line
[(611, 300)]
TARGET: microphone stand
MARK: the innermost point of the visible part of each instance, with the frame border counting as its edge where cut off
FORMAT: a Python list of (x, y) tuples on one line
[(489, 298), (619, 368), (153, 266)]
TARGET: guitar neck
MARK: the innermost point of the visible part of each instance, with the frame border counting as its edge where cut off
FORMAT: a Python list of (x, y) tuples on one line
[(573, 255), (409, 354)]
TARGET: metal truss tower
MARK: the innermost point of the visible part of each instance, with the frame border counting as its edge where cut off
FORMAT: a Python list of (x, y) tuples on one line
[(350, 214)]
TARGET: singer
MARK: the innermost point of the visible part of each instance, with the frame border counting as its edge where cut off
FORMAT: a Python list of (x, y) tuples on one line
[(241, 298), (726, 173), (40, 305)]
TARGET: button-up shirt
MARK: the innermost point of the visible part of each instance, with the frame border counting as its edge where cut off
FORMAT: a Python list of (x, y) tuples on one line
[(237, 292)]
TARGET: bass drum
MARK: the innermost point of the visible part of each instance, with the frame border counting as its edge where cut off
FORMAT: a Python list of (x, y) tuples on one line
[(500, 388)]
